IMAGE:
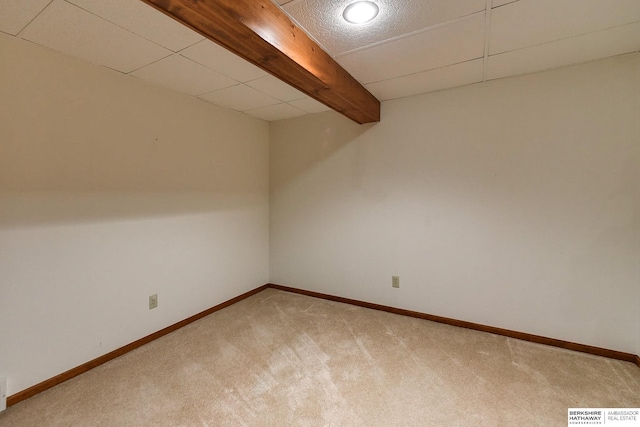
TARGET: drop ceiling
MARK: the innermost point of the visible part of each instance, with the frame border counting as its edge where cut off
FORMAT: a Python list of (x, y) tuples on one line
[(414, 46)]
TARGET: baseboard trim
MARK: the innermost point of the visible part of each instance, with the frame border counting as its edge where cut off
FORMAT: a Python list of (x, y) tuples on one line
[(583, 348), (74, 372)]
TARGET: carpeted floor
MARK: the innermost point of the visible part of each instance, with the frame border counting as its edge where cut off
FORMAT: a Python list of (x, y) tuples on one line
[(281, 359)]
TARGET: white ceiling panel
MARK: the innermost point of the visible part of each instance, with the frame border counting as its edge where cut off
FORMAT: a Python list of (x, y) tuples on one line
[(323, 19), (449, 44), (276, 112), (309, 105), (587, 47), (239, 98), (414, 46), (183, 75), (276, 88), (74, 31), (428, 81), (220, 59), (530, 22), (16, 14), (143, 20)]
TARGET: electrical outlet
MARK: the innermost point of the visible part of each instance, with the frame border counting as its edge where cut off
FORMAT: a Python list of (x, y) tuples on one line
[(153, 301), (3, 394), (395, 281)]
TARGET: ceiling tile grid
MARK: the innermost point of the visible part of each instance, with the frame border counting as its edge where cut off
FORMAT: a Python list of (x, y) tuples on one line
[(323, 20), (498, 3), (276, 88), (309, 105), (183, 75), (573, 50), (140, 19), (130, 37), (71, 30), (437, 47), (16, 14), (428, 81), (527, 23), (240, 98), (414, 46), (276, 112), (221, 60)]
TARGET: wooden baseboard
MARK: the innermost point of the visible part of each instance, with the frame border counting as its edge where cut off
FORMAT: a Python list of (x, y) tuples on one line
[(583, 348), (74, 372), (47, 384)]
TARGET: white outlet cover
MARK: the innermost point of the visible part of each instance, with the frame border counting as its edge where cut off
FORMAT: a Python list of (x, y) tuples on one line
[(3, 394)]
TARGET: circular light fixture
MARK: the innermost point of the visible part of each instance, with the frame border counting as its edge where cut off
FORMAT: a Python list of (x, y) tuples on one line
[(360, 12)]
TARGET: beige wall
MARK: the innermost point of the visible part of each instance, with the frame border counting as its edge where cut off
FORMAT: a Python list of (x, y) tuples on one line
[(513, 203), (112, 190)]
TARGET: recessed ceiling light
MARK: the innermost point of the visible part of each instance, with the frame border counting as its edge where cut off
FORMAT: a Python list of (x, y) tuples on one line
[(360, 12)]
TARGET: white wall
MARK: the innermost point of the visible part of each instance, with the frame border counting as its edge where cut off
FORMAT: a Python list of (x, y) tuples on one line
[(112, 190), (513, 203)]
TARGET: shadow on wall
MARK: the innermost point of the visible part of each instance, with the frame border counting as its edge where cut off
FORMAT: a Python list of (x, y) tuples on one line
[(80, 143), (74, 178), (325, 133), (42, 208)]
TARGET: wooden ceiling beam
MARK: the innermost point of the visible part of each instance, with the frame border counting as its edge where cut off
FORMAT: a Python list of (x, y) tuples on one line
[(260, 32)]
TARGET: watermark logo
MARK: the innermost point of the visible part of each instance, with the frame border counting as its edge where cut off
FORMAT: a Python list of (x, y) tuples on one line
[(621, 417)]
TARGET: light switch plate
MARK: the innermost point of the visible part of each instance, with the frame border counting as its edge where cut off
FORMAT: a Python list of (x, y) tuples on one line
[(3, 394)]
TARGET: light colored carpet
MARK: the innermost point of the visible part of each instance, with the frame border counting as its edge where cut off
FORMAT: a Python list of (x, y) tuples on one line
[(281, 359)]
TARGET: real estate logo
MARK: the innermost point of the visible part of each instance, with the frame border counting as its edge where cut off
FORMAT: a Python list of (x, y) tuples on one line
[(627, 417)]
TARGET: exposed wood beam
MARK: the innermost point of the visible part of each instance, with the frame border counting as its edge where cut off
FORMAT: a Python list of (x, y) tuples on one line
[(261, 33)]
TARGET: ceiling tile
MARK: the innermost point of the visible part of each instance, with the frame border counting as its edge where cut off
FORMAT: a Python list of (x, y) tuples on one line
[(16, 14), (276, 112), (587, 47), (220, 59), (76, 32), (449, 44), (309, 105), (276, 88), (530, 22), (239, 98), (428, 81), (143, 20), (323, 19), (182, 74)]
